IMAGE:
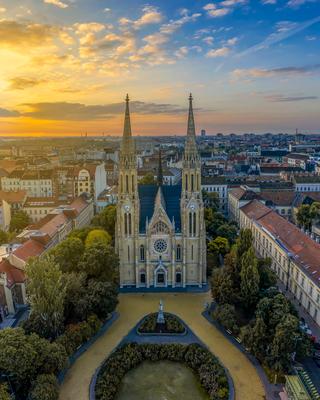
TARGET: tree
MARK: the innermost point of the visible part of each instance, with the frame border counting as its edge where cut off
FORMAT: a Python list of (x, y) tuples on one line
[(45, 388), (46, 291), (221, 287), (101, 298), (4, 392), (267, 277), (75, 306), (81, 233), (272, 310), (315, 211), (107, 219), (229, 231), (23, 357), (68, 253), (148, 179), (98, 236), (259, 339), (225, 314), (244, 242), (284, 343), (232, 267), (3, 237), (99, 262), (304, 217), (19, 221), (211, 199), (216, 248), (249, 278)]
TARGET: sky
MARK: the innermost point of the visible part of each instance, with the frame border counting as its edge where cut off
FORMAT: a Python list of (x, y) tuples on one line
[(67, 65)]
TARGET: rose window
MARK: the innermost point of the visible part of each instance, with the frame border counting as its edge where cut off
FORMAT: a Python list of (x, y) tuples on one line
[(160, 246)]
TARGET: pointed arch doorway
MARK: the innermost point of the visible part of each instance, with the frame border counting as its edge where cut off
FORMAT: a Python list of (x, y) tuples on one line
[(160, 276)]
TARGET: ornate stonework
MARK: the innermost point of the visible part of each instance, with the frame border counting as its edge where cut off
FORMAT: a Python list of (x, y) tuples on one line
[(160, 232)]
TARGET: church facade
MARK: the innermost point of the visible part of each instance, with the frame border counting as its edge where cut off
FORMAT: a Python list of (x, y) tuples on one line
[(160, 230)]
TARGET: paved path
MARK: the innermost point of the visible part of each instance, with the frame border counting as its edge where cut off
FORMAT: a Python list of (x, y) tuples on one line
[(188, 307)]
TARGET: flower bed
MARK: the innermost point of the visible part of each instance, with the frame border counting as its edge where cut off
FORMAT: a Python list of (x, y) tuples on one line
[(172, 325), (206, 366)]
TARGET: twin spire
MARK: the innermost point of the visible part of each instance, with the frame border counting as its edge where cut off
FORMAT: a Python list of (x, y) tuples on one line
[(191, 132)]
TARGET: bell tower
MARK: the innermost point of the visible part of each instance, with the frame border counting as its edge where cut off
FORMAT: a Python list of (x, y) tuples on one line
[(128, 205), (192, 210)]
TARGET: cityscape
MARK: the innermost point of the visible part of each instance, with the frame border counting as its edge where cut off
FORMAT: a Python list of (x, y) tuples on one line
[(159, 200)]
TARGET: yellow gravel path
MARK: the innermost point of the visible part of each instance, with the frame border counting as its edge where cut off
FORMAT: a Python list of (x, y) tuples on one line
[(133, 307)]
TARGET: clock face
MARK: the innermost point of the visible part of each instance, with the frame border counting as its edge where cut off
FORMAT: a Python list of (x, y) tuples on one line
[(192, 207), (127, 208)]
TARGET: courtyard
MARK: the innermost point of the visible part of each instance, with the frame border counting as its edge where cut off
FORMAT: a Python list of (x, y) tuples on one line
[(131, 308)]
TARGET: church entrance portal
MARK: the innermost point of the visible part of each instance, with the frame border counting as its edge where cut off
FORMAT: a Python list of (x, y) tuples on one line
[(161, 279)]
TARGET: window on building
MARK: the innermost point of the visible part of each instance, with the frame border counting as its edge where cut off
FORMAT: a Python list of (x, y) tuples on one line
[(128, 254), (142, 255), (192, 252), (178, 254), (143, 278)]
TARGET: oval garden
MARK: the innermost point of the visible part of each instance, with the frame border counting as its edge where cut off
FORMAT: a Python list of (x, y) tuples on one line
[(205, 375)]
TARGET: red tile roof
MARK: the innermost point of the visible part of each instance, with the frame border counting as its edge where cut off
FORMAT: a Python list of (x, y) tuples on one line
[(79, 204), (31, 248), (13, 197), (14, 275), (304, 250)]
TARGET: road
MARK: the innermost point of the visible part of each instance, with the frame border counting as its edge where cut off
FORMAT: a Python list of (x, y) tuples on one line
[(132, 307)]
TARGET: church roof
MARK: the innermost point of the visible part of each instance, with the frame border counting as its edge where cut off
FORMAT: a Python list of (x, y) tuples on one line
[(171, 195)]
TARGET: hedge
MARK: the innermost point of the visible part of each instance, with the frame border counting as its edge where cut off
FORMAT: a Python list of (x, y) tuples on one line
[(172, 324), (205, 365)]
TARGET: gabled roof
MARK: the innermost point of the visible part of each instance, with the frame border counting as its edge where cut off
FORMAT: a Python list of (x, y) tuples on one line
[(284, 198), (244, 194), (13, 274), (13, 197), (31, 248), (171, 195)]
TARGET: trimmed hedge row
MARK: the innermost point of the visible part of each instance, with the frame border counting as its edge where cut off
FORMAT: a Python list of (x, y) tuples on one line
[(172, 324), (206, 366)]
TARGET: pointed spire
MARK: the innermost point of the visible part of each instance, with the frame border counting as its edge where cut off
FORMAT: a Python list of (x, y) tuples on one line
[(160, 173), (127, 123), (159, 200), (191, 126)]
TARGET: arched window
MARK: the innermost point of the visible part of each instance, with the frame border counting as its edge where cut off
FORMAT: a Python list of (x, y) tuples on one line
[(178, 278), (194, 224), (192, 253), (142, 278), (132, 182), (186, 178), (190, 224), (142, 255), (128, 253), (130, 225), (178, 254), (127, 183), (125, 224), (192, 182)]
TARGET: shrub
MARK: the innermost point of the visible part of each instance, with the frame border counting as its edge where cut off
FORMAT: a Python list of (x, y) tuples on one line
[(226, 316), (45, 388), (172, 324), (206, 366)]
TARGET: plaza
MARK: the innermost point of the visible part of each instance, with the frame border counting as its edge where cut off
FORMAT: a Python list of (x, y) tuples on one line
[(187, 306)]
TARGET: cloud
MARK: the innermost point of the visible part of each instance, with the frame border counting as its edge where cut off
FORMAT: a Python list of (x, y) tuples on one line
[(182, 52), (57, 3), (3, 9), (77, 111), (280, 98), (269, 1), (151, 15), (14, 34), (8, 113), (284, 30), (20, 83), (280, 72), (223, 8), (298, 3), (222, 52)]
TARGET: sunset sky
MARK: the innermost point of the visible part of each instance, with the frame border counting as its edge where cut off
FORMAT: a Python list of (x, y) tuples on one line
[(66, 66)]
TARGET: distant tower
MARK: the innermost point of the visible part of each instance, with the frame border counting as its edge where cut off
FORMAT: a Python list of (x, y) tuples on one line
[(160, 172), (203, 132)]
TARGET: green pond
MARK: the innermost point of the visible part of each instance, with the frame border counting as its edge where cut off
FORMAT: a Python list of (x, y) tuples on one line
[(161, 380)]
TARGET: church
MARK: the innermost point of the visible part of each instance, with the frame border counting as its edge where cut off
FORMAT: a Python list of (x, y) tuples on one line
[(160, 230)]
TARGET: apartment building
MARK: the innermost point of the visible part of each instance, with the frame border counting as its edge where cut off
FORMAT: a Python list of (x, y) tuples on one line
[(219, 185), (90, 179), (295, 256), (35, 183)]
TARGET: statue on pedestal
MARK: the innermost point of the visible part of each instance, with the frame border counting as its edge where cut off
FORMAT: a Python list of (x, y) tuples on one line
[(160, 318)]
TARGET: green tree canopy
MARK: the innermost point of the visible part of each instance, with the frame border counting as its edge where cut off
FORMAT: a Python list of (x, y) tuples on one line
[(98, 236), (68, 253), (304, 216), (46, 289), (99, 262), (107, 219), (221, 287), (81, 233), (19, 221), (244, 242), (249, 278), (3, 237), (267, 277), (229, 231), (4, 392)]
